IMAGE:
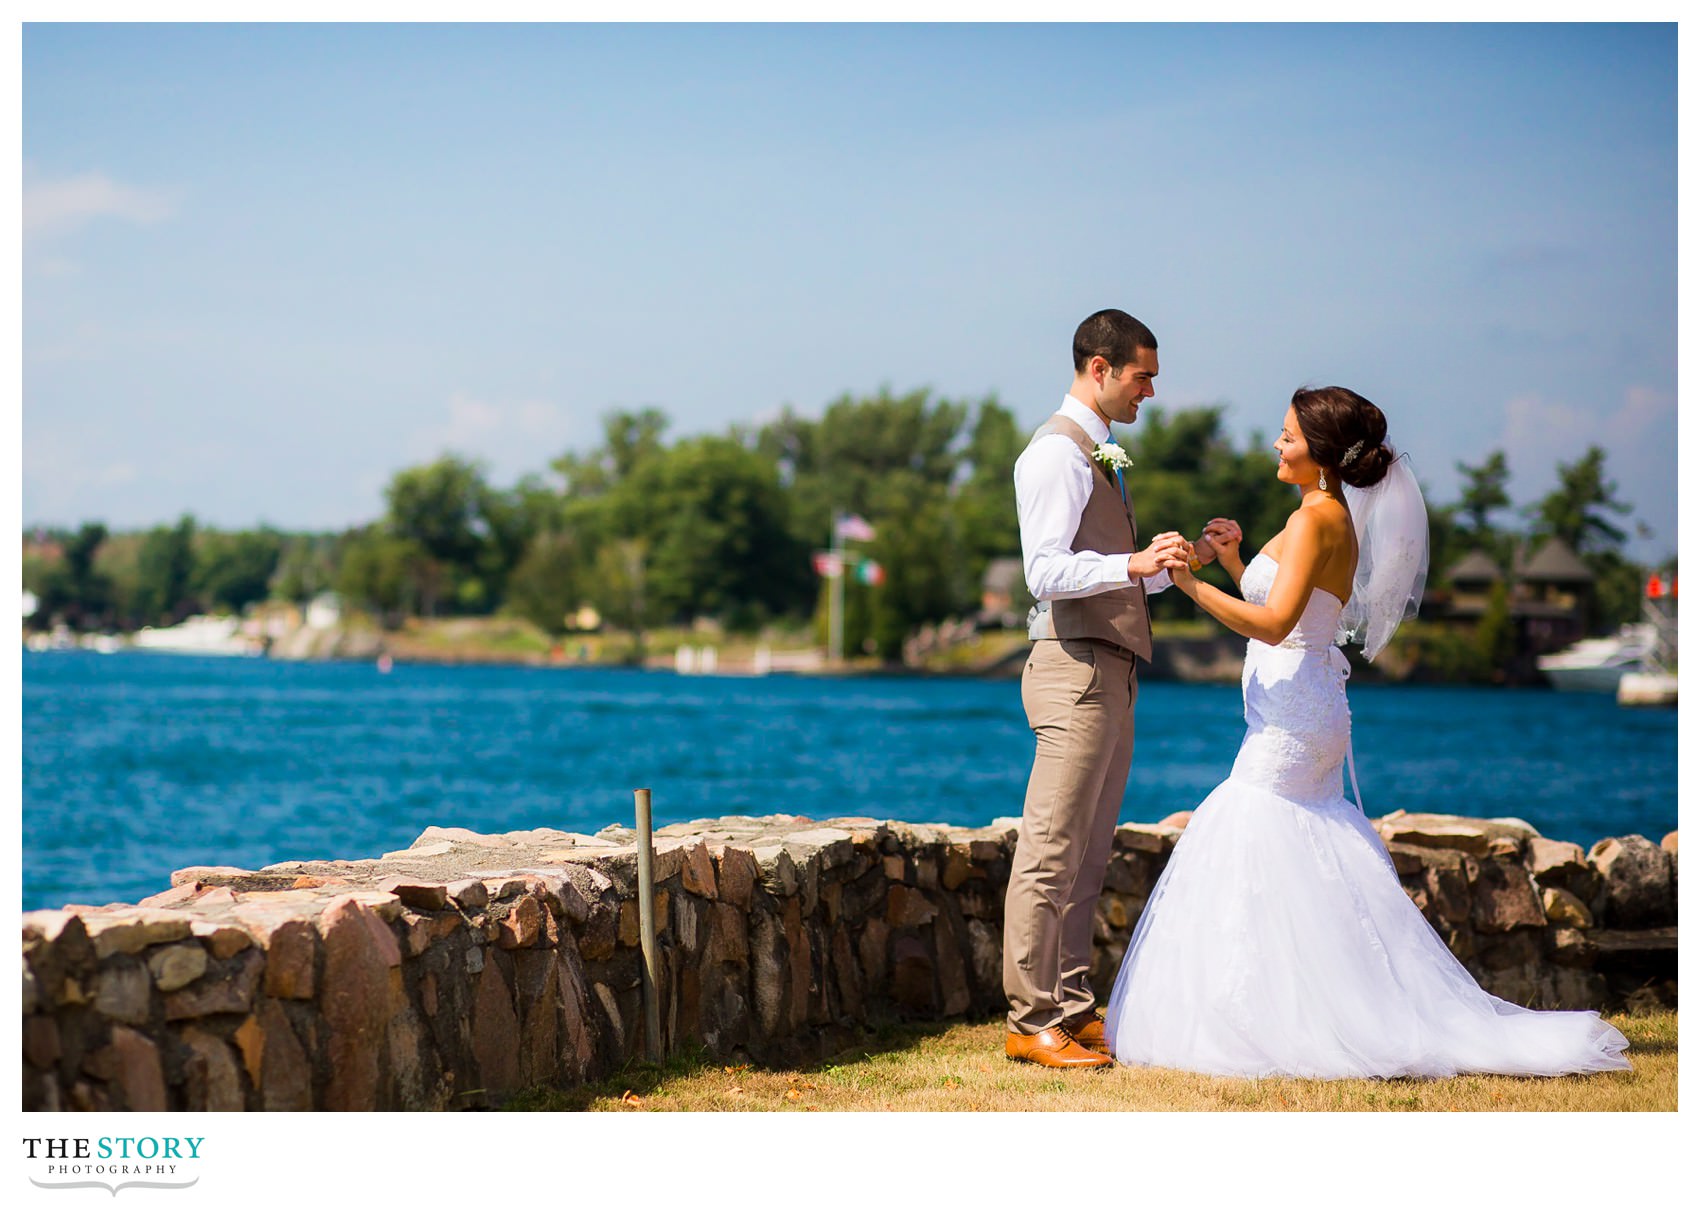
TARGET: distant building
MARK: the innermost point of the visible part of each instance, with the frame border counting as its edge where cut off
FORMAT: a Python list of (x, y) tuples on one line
[(1546, 596), (1472, 580), (32, 604), (324, 611)]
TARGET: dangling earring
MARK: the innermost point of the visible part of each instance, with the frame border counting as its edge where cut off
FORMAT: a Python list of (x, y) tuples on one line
[(1322, 480)]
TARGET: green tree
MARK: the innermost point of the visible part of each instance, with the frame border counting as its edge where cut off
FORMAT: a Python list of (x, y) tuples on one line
[(984, 506), (73, 590), (443, 509), (235, 569), (550, 581), (307, 565), (1482, 495), (714, 520), (380, 571), (1577, 510), (165, 569), (919, 586), (618, 589)]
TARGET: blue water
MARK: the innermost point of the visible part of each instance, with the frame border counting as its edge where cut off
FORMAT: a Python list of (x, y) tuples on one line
[(137, 764)]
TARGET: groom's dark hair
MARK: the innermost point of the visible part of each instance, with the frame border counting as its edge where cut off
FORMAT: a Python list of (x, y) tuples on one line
[(1113, 335)]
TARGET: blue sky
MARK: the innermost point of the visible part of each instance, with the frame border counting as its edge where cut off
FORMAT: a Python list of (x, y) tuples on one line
[(265, 267)]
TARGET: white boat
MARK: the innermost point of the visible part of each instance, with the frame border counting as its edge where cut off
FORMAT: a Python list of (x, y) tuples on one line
[(1653, 688), (1600, 662), (209, 635)]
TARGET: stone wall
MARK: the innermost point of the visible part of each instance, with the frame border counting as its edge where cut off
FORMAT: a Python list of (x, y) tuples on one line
[(469, 967)]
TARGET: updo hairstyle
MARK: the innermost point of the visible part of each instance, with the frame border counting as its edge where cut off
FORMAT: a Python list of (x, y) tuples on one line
[(1334, 421)]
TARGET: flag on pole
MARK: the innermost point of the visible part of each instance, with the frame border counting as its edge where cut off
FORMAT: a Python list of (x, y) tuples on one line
[(828, 564), (854, 528), (868, 572)]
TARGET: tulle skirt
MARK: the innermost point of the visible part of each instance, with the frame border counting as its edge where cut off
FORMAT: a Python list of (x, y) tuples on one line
[(1279, 941)]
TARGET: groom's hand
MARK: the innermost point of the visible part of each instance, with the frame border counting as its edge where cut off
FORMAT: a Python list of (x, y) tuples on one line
[(1166, 552)]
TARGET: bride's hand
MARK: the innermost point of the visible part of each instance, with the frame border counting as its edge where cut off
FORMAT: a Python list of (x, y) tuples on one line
[(1224, 535), (1182, 577)]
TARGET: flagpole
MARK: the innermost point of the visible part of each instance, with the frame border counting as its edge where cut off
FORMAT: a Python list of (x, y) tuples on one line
[(835, 614)]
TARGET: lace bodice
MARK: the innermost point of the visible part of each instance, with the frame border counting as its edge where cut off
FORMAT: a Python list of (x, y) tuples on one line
[(1316, 626), (1297, 722)]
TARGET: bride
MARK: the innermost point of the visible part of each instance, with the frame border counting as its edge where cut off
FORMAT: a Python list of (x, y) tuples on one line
[(1278, 939)]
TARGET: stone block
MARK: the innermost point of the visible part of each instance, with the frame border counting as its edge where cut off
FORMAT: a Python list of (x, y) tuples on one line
[(736, 875), (1447, 882), (523, 926), (1474, 836), (139, 1078), (131, 933), (122, 991), (226, 988), (912, 976), (212, 1080), (985, 955), (208, 876), (417, 894), (1637, 889), (1562, 865), (728, 938), (834, 847), (908, 907), (601, 931), (871, 950), (1570, 947), (172, 898), (176, 966), (468, 894), (41, 1045), (767, 938), (1504, 896), (799, 957), (559, 895), (1564, 909), (955, 995), (958, 866), (355, 1003), (778, 870), (221, 939), (846, 973)]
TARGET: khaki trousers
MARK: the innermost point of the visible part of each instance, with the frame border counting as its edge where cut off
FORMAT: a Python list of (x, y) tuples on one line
[(1079, 698)]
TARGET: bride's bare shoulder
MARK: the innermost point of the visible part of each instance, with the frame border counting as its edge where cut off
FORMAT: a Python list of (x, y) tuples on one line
[(1327, 516)]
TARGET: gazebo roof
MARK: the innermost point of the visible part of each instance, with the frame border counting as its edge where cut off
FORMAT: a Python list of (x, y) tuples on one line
[(1477, 566), (1554, 561)]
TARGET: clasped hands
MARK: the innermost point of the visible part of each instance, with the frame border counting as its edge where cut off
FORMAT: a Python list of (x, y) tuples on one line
[(1173, 551)]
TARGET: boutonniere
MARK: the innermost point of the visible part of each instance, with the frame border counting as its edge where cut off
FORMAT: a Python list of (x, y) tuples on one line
[(1112, 456)]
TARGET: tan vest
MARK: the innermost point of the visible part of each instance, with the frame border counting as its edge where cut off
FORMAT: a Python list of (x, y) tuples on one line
[(1106, 525)]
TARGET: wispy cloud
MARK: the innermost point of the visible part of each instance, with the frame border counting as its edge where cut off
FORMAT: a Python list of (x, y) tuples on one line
[(515, 437), (1638, 434), (53, 206)]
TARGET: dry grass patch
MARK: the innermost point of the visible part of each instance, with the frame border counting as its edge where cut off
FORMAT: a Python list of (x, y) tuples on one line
[(960, 1067)]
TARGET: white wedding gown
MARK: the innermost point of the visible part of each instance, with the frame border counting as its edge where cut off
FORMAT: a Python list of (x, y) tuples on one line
[(1278, 939)]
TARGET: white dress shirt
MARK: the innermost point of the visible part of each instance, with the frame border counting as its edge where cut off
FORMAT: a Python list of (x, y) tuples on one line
[(1053, 479)]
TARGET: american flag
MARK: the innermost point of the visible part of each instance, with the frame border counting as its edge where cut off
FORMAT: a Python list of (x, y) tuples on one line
[(854, 528)]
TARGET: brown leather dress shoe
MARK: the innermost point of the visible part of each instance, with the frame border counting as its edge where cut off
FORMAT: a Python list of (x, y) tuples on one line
[(1053, 1047), (1088, 1029)]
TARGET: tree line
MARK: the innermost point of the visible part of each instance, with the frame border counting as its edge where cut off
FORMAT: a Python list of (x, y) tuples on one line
[(652, 530)]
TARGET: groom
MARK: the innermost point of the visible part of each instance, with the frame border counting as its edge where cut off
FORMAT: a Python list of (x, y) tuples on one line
[(1078, 548)]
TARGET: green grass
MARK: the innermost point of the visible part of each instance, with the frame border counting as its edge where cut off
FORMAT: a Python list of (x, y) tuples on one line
[(960, 1067)]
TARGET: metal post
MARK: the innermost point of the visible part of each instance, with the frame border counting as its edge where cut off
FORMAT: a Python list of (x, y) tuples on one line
[(646, 926), (835, 617)]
